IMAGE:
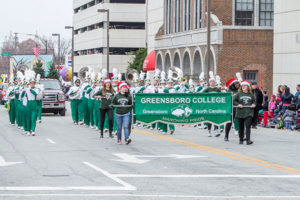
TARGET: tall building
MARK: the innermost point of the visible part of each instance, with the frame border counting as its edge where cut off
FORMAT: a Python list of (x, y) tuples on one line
[(127, 32), (286, 43), (155, 19), (241, 38)]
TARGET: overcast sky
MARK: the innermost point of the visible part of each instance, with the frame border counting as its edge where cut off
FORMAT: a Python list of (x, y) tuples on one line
[(31, 16)]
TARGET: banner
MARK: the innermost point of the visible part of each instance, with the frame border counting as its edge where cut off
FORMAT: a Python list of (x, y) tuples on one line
[(184, 108)]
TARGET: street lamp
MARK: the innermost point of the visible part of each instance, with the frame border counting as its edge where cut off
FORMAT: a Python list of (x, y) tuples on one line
[(107, 40), (58, 35), (72, 28)]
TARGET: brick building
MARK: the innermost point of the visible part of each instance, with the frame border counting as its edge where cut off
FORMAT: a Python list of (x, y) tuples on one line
[(24, 48), (241, 38)]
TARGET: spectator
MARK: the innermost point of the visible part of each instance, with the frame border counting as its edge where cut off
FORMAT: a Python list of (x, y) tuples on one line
[(265, 107), (286, 99), (259, 100), (289, 116), (272, 106), (297, 96)]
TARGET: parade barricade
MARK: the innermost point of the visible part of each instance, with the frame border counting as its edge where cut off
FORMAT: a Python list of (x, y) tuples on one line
[(180, 109)]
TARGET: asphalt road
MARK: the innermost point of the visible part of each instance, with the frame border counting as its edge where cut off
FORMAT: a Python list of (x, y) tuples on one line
[(65, 161)]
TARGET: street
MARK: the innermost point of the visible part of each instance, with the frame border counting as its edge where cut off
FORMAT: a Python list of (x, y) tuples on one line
[(64, 161)]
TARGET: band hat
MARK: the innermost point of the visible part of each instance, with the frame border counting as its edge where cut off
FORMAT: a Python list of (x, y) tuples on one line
[(211, 77), (107, 80), (245, 83), (230, 82)]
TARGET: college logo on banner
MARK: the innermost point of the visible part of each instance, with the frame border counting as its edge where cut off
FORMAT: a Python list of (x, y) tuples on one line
[(184, 108)]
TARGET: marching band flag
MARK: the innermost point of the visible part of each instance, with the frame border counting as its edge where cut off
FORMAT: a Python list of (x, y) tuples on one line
[(182, 109)]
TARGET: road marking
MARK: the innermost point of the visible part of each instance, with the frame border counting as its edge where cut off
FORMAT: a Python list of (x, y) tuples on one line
[(151, 196), (124, 157), (51, 141), (206, 176), (223, 152), (127, 186), (3, 163)]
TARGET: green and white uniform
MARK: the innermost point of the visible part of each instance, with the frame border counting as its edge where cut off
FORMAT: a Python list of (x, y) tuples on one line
[(75, 103)]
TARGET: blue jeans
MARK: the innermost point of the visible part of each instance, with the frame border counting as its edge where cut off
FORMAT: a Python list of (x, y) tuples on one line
[(123, 121), (288, 125)]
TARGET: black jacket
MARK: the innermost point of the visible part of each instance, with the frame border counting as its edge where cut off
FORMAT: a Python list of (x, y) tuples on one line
[(258, 98), (265, 106)]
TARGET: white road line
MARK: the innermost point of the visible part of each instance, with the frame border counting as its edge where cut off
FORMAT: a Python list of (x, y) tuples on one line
[(205, 176), (85, 188), (51, 141), (3, 163), (111, 176), (151, 196)]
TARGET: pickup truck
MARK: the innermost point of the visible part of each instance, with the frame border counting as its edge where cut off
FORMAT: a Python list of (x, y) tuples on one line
[(53, 100)]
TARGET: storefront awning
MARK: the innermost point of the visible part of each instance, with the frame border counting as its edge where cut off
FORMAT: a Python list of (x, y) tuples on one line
[(149, 62)]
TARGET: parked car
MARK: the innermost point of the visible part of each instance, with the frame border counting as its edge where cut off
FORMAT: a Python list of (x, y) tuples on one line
[(3, 89), (53, 97)]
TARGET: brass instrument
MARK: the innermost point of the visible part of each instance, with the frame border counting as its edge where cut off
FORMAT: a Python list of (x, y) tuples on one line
[(82, 73), (75, 95), (129, 75)]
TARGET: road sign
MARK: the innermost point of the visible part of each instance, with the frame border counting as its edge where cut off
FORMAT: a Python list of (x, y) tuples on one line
[(5, 54)]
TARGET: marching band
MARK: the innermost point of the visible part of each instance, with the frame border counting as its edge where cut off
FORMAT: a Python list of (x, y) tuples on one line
[(24, 97), (97, 101)]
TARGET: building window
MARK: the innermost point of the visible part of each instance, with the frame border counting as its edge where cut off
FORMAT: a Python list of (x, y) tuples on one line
[(177, 16), (198, 14), (244, 12), (251, 76), (168, 16), (266, 12), (187, 15)]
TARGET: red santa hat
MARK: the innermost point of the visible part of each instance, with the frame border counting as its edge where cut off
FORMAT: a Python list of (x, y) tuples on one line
[(120, 85), (245, 83), (107, 80), (230, 82)]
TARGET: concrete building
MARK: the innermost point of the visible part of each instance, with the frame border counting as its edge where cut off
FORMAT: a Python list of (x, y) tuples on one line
[(241, 38), (286, 44), (127, 32), (155, 21)]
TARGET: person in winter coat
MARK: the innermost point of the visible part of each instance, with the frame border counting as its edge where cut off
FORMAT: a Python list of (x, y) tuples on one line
[(259, 100), (272, 106), (265, 107), (286, 99), (245, 102), (289, 116)]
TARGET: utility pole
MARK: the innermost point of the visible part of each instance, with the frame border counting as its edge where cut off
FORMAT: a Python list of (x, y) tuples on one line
[(72, 28), (59, 57), (208, 38)]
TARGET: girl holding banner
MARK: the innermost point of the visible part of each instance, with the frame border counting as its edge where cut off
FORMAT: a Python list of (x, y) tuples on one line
[(245, 101), (106, 95), (123, 103)]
